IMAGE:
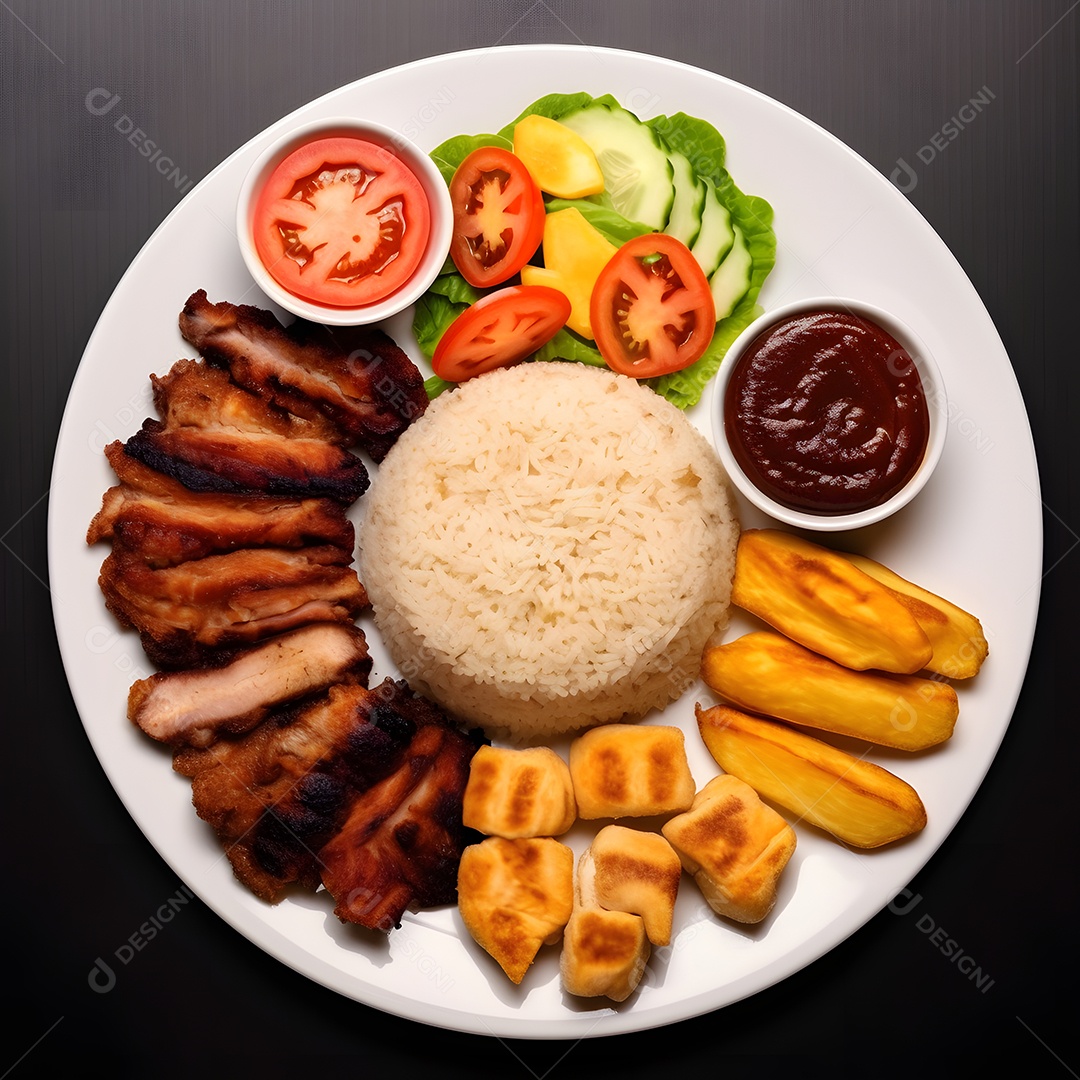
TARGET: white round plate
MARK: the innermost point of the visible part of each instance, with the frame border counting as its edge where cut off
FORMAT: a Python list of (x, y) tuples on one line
[(973, 535)]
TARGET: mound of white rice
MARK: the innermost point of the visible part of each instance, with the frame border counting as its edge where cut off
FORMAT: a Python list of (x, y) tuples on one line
[(549, 547)]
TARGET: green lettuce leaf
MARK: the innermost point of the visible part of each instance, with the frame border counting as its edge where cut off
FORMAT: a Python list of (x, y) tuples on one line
[(606, 221), (450, 154), (555, 107), (435, 386), (566, 345), (432, 314), (456, 289), (706, 150), (697, 140)]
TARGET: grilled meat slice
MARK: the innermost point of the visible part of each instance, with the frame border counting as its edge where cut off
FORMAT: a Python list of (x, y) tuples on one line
[(249, 463), (276, 795), (400, 845), (183, 613), (195, 706), (358, 379), (167, 524), (197, 394)]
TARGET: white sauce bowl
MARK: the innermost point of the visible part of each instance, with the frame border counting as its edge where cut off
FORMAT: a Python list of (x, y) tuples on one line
[(439, 236)]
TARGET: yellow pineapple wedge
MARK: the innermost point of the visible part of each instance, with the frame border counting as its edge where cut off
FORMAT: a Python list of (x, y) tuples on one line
[(959, 645), (855, 801), (822, 600), (767, 673)]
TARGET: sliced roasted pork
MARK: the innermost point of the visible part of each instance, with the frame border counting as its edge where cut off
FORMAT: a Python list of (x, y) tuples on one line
[(196, 394), (399, 848), (183, 613), (195, 706), (356, 378), (278, 795), (249, 463), (275, 795), (166, 523)]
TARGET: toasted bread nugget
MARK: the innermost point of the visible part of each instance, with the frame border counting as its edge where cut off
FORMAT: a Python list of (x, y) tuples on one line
[(637, 872), (514, 896), (604, 952), (734, 846), (630, 770), (518, 793)]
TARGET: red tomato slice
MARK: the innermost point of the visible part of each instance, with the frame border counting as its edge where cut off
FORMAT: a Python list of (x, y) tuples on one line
[(651, 308), (342, 222), (499, 330), (498, 216)]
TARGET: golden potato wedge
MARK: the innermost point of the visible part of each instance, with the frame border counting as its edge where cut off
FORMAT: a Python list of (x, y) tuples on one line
[(766, 673), (514, 896), (630, 770), (957, 638), (734, 846), (637, 872), (820, 599), (517, 793), (856, 801)]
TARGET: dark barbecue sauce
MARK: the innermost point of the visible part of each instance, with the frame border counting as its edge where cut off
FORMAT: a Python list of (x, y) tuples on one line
[(825, 412)]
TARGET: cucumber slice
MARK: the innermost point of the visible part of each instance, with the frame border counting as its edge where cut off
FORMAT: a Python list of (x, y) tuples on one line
[(717, 234), (731, 282), (684, 222), (632, 157)]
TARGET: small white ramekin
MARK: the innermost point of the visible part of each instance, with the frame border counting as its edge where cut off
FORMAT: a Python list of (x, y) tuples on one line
[(933, 390), (441, 228)]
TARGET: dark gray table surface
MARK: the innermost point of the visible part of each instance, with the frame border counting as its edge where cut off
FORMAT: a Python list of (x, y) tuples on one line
[(78, 202)]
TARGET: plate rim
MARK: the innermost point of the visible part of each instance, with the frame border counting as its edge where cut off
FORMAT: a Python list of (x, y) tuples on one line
[(269, 938)]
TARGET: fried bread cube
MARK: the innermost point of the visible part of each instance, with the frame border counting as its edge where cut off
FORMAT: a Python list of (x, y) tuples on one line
[(734, 846), (604, 952), (519, 793), (514, 896), (630, 770), (637, 872)]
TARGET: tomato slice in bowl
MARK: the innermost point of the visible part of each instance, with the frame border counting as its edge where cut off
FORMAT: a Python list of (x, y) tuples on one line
[(651, 309), (342, 222), (499, 330), (498, 216)]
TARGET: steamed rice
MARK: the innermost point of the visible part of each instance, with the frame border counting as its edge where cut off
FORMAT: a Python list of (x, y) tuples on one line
[(549, 547)]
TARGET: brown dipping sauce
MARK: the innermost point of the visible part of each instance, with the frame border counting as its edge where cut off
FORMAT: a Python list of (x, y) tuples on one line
[(825, 412)]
